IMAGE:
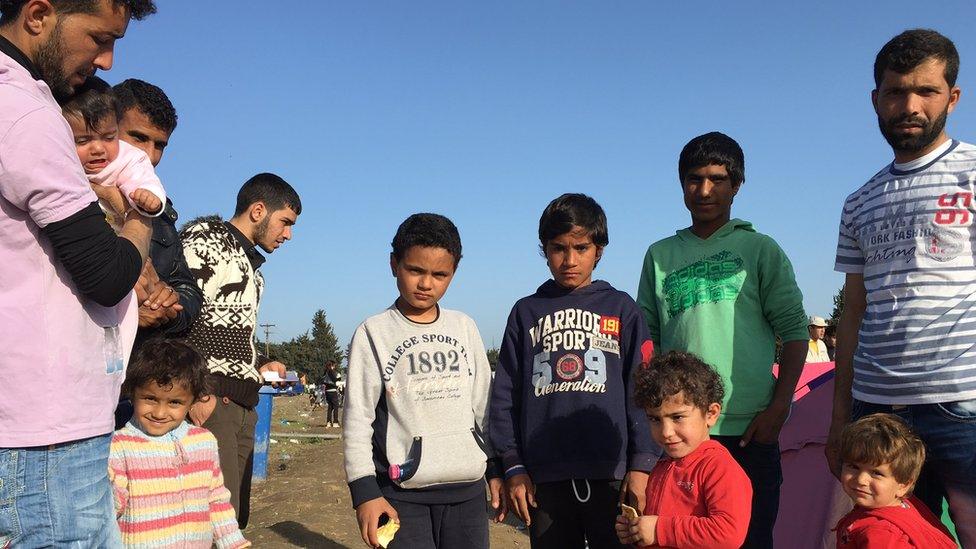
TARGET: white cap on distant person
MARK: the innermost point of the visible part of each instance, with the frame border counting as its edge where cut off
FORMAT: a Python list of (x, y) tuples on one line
[(818, 322)]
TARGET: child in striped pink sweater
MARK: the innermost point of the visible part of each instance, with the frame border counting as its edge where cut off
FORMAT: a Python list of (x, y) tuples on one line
[(169, 491)]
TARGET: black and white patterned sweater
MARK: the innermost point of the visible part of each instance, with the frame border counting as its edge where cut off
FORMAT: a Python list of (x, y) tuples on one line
[(224, 331)]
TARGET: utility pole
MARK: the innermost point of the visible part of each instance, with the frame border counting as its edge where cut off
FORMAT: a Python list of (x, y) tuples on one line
[(267, 332)]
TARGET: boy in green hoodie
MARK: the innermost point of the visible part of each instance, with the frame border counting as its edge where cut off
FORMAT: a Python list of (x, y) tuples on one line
[(724, 292)]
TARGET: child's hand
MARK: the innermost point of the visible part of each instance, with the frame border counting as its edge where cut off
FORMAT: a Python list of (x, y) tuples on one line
[(640, 531), (521, 494), (499, 497), (146, 201), (112, 197), (368, 515)]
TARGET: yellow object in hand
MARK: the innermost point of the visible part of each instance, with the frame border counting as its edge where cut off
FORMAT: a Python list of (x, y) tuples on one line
[(385, 533)]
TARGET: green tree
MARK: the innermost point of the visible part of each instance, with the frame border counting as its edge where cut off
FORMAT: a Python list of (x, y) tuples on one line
[(307, 354), (493, 358), (838, 307)]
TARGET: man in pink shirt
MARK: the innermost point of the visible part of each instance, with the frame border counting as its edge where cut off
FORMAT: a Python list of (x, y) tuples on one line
[(67, 318)]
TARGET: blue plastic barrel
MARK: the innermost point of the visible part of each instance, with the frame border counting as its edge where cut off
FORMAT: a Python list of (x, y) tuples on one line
[(262, 433)]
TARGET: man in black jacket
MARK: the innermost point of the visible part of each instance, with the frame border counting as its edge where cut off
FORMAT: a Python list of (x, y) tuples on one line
[(147, 121)]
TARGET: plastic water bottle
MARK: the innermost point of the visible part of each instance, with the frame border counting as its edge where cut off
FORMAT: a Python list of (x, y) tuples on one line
[(406, 470)]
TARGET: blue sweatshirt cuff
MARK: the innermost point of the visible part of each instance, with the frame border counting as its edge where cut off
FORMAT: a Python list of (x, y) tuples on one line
[(364, 489)]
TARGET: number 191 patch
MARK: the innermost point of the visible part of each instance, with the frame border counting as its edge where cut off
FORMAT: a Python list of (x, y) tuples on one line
[(610, 325)]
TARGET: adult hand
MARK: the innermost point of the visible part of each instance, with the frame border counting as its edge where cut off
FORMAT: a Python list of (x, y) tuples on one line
[(496, 487), (274, 366), (765, 427), (368, 515), (150, 318), (146, 284), (112, 197), (201, 410), (521, 495), (633, 491), (163, 295), (832, 450)]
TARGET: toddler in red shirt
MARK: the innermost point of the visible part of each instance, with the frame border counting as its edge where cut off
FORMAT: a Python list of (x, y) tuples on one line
[(697, 495), (882, 458)]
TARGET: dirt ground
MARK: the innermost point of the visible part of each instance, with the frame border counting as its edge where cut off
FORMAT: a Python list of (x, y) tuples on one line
[(304, 502)]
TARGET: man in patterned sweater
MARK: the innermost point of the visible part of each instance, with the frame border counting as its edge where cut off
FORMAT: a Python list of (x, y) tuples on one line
[(224, 259)]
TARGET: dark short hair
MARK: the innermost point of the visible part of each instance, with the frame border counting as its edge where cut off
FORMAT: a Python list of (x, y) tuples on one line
[(673, 373), (167, 362), (569, 210), (884, 438), (903, 53), (138, 9), (93, 102), (274, 191), (147, 98), (713, 148), (428, 230)]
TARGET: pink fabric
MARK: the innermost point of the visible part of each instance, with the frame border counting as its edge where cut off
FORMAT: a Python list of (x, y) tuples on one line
[(811, 501), (57, 384), (131, 170)]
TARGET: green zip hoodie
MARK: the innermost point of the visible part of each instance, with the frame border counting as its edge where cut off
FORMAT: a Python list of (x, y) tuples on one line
[(725, 299)]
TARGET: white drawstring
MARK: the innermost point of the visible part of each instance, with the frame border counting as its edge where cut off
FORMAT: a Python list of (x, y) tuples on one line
[(588, 491)]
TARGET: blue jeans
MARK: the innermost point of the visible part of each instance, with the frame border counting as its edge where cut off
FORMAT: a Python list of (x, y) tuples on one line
[(949, 433), (763, 466), (58, 496)]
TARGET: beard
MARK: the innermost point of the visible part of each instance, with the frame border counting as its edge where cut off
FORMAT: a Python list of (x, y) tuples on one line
[(912, 143), (261, 231), (50, 63)]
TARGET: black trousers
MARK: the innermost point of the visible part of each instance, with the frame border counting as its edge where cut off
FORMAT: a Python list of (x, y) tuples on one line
[(572, 513)]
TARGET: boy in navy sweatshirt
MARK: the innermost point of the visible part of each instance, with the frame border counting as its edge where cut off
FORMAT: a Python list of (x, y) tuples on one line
[(573, 443), (417, 405)]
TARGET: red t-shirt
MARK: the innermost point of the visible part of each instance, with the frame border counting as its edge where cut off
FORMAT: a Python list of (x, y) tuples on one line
[(909, 525), (702, 500)]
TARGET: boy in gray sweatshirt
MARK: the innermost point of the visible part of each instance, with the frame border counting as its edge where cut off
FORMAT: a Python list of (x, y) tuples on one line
[(417, 405)]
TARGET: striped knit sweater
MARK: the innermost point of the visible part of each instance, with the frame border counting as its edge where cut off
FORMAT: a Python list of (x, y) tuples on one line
[(169, 491)]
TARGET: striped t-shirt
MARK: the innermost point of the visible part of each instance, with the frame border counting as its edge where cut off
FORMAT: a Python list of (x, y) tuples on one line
[(909, 230)]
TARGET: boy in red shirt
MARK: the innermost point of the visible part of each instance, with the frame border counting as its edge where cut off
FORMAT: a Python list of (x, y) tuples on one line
[(697, 495), (882, 458)]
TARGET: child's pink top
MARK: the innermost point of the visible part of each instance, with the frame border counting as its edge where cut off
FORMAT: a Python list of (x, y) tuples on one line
[(131, 170)]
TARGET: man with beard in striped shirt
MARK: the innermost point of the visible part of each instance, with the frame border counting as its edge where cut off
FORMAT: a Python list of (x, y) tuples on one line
[(907, 249)]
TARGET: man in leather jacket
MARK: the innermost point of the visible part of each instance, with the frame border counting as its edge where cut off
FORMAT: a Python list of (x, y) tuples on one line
[(146, 121)]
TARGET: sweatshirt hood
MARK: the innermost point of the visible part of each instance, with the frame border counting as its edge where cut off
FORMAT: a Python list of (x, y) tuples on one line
[(734, 225), (552, 289)]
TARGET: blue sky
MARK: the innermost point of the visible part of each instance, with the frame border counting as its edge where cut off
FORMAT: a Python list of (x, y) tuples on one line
[(485, 111)]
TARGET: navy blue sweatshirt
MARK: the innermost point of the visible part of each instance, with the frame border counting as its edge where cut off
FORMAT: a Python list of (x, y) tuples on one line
[(562, 400)]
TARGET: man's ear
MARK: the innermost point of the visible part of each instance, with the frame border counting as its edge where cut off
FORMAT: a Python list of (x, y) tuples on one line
[(256, 212), (38, 15)]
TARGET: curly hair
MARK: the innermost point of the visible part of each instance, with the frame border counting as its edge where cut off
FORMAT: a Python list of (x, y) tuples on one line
[(167, 362), (138, 9), (673, 373), (884, 438), (137, 94)]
